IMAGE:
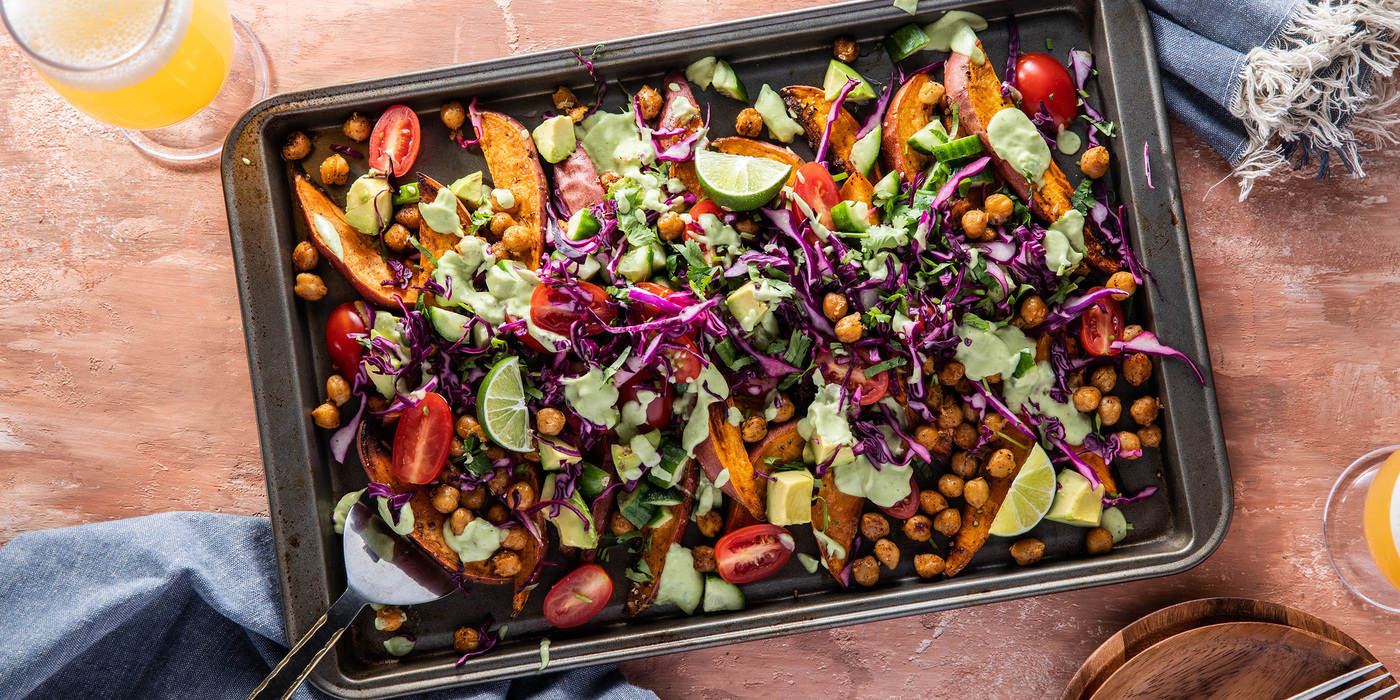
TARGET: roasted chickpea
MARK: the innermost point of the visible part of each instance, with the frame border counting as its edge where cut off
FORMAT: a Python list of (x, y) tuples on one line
[(749, 123), (950, 415), (994, 421), (1150, 436), (357, 127), (1094, 162), (1099, 541), (310, 287), (1122, 280), (932, 93), (1110, 410), (834, 306), (887, 553), (608, 179), (1128, 442), (866, 571), (520, 496), (326, 416), (1033, 311), (378, 404), (649, 102), (389, 618), (467, 427), (999, 208), (466, 640), (846, 50), (974, 223), (1001, 464), (516, 538), (337, 389), (500, 479), (849, 329), (520, 239), (704, 558), (1144, 410), (396, 237), (1104, 379), (919, 527), (501, 222), (497, 514), (493, 453), (1075, 379), (932, 502), (710, 523), (505, 563), (474, 498), (964, 465), (873, 526), (549, 421), (297, 146), (564, 98), (671, 226), (305, 257), (407, 216), (334, 170), (965, 436), (1086, 399), (1130, 332), (1137, 368), (951, 373), (926, 435), (929, 565), (460, 519), (950, 485), (755, 428), (1027, 551), (976, 492), (453, 115), (786, 409), (948, 521), (619, 524), (960, 207), (446, 499)]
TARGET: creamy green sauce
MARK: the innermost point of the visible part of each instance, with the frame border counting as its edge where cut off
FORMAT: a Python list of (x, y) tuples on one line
[(505, 198), (834, 550), (1000, 352), (775, 115), (592, 397), (634, 413), (885, 486), (1067, 142), (825, 425), (342, 510), (405, 524), (614, 143), (1064, 242), (682, 110), (808, 562), (1016, 141), (398, 646), (697, 427), (440, 214), (329, 235), (509, 286), (478, 541), (717, 234), (957, 32)]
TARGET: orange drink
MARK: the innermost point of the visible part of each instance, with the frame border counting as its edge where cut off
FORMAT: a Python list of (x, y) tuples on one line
[(1382, 519)]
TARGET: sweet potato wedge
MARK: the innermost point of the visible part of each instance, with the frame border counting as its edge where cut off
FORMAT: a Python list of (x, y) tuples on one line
[(724, 449), (907, 114), (810, 108), (350, 252), (977, 522), (515, 166), (438, 243), (857, 188), (977, 92), (534, 549), (659, 542), (741, 146), (578, 181), (837, 515), (675, 85), (737, 516)]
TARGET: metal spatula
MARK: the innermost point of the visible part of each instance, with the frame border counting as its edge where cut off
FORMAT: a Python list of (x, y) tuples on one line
[(380, 567)]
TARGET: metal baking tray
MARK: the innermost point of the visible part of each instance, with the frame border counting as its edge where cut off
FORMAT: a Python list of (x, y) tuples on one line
[(1175, 530)]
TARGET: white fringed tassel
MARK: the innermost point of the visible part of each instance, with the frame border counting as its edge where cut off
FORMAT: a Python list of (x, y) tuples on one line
[(1289, 90)]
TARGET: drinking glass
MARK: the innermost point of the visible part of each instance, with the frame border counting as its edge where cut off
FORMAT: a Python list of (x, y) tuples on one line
[(1361, 527), (172, 74)]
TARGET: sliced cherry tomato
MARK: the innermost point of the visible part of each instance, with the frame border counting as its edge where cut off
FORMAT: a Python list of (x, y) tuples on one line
[(908, 506), (659, 410), (685, 364), (834, 371), (818, 190), (556, 309), (1041, 79), (580, 595), (1100, 325), (423, 440), (649, 311), (753, 552), (393, 145), (345, 351)]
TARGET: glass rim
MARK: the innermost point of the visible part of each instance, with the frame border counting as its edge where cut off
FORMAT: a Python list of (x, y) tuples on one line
[(130, 54)]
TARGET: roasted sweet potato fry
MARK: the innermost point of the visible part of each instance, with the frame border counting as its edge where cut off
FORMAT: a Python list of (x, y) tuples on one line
[(837, 515), (350, 252), (659, 542), (675, 86), (534, 549), (907, 114), (977, 522), (515, 166), (737, 516), (724, 449), (857, 188), (578, 181), (810, 108), (740, 146)]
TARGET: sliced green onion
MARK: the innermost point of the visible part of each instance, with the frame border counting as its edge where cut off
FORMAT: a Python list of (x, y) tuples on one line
[(408, 194)]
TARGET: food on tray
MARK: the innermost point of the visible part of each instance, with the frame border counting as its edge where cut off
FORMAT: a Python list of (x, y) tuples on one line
[(799, 354)]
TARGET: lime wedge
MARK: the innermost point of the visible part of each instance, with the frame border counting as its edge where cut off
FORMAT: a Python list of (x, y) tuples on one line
[(1030, 496), (500, 407), (739, 183)]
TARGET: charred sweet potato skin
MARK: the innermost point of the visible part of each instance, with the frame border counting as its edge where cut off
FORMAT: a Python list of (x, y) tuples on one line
[(810, 108), (675, 85), (578, 181), (741, 146), (659, 542), (360, 263), (515, 165), (907, 114)]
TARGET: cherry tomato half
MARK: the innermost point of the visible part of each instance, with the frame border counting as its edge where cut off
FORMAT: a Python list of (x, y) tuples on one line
[(908, 506), (753, 552), (834, 371), (1101, 325), (817, 189), (648, 311), (345, 351), (1040, 78), (393, 145), (556, 310), (659, 410), (423, 440), (580, 595)]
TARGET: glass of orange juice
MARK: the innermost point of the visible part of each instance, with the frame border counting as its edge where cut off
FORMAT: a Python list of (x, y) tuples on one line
[(1362, 527), (172, 74)]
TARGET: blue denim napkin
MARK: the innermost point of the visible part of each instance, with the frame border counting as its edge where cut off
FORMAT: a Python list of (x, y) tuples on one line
[(180, 605)]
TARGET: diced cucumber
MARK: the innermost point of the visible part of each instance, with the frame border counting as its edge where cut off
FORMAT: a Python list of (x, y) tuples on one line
[(721, 595), (850, 217), (632, 507), (663, 497), (680, 584), (702, 72), (887, 187), (658, 256), (635, 264), (663, 516), (589, 267), (837, 75), (905, 41), (926, 139), (866, 150), (959, 148), (673, 458), (727, 83), (583, 225), (592, 481), (448, 324)]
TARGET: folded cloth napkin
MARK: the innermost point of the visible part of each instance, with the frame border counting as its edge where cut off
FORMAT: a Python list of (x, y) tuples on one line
[(1273, 84), (180, 605)]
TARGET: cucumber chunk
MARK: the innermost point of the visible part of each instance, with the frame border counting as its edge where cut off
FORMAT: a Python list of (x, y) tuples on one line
[(960, 148), (727, 83), (837, 75), (449, 324), (680, 585), (721, 595), (926, 139)]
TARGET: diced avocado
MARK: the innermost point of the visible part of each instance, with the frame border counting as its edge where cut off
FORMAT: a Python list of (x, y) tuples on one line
[(551, 459), (866, 150), (627, 463), (727, 83), (680, 585), (450, 325), (747, 310), (790, 497), (722, 595), (469, 189), (583, 225), (1076, 503), (837, 75), (589, 267), (555, 138), (635, 264), (573, 530), (850, 216), (702, 72), (822, 451), (369, 205), (775, 115), (1117, 525), (630, 505), (925, 139)]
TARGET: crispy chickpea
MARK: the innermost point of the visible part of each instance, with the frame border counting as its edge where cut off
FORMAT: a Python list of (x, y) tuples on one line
[(1110, 410), (950, 415), (378, 404), (1128, 442), (310, 287), (564, 98), (873, 526), (520, 239), (516, 538), (549, 421), (974, 223), (608, 179), (619, 524), (951, 373), (965, 436), (1099, 541), (497, 514), (834, 306), (749, 123), (1104, 379), (1027, 551), (926, 435), (1122, 280), (460, 519), (919, 527), (1033, 311), (465, 640), (501, 222), (1086, 399), (1094, 162), (334, 170), (474, 498), (1001, 464), (453, 114), (746, 226), (500, 479), (1130, 332), (932, 92), (407, 216), (786, 409), (671, 226), (520, 496), (704, 559), (493, 453), (710, 523), (887, 553), (337, 389), (976, 492), (999, 208), (446, 499), (1137, 368), (1144, 410), (849, 329), (327, 416), (305, 257), (866, 571), (755, 428), (932, 502), (396, 237), (994, 421), (960, 207), (950, 485), (1075, 379), (389, 618), (1150, 436), (929, 565), (297, 146), (357, 127), (964, 465), (846, 49), (649, 100), (948, 521), (506, 563), (467, 427)]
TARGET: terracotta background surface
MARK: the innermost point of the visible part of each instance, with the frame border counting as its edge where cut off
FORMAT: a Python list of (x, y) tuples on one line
[(124, 384)]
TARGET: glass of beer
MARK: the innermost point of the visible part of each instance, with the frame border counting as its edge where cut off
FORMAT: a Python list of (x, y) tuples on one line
[(172, 74), (1361, 527)]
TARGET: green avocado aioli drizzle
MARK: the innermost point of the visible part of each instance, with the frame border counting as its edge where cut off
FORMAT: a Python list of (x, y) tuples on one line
[(405, 524), (614, 143), (999, 351), (955, 32), (1016, 141), (342, 510), (834, 550), (885, 486), (593, 397), (708, 388), (509, 286), (440, 215), (1064, 242), (329, 235), (478, 541)]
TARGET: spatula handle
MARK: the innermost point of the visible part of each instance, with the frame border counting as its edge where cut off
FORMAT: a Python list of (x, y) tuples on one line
[(288, 675)]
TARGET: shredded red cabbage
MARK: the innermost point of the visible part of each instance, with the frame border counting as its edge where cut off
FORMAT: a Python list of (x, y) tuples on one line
[(485, 637), (1013, 52), (876, 116), (346, 150), (1147, 164), (832, 115), (1115, 501), (1146, 342)]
